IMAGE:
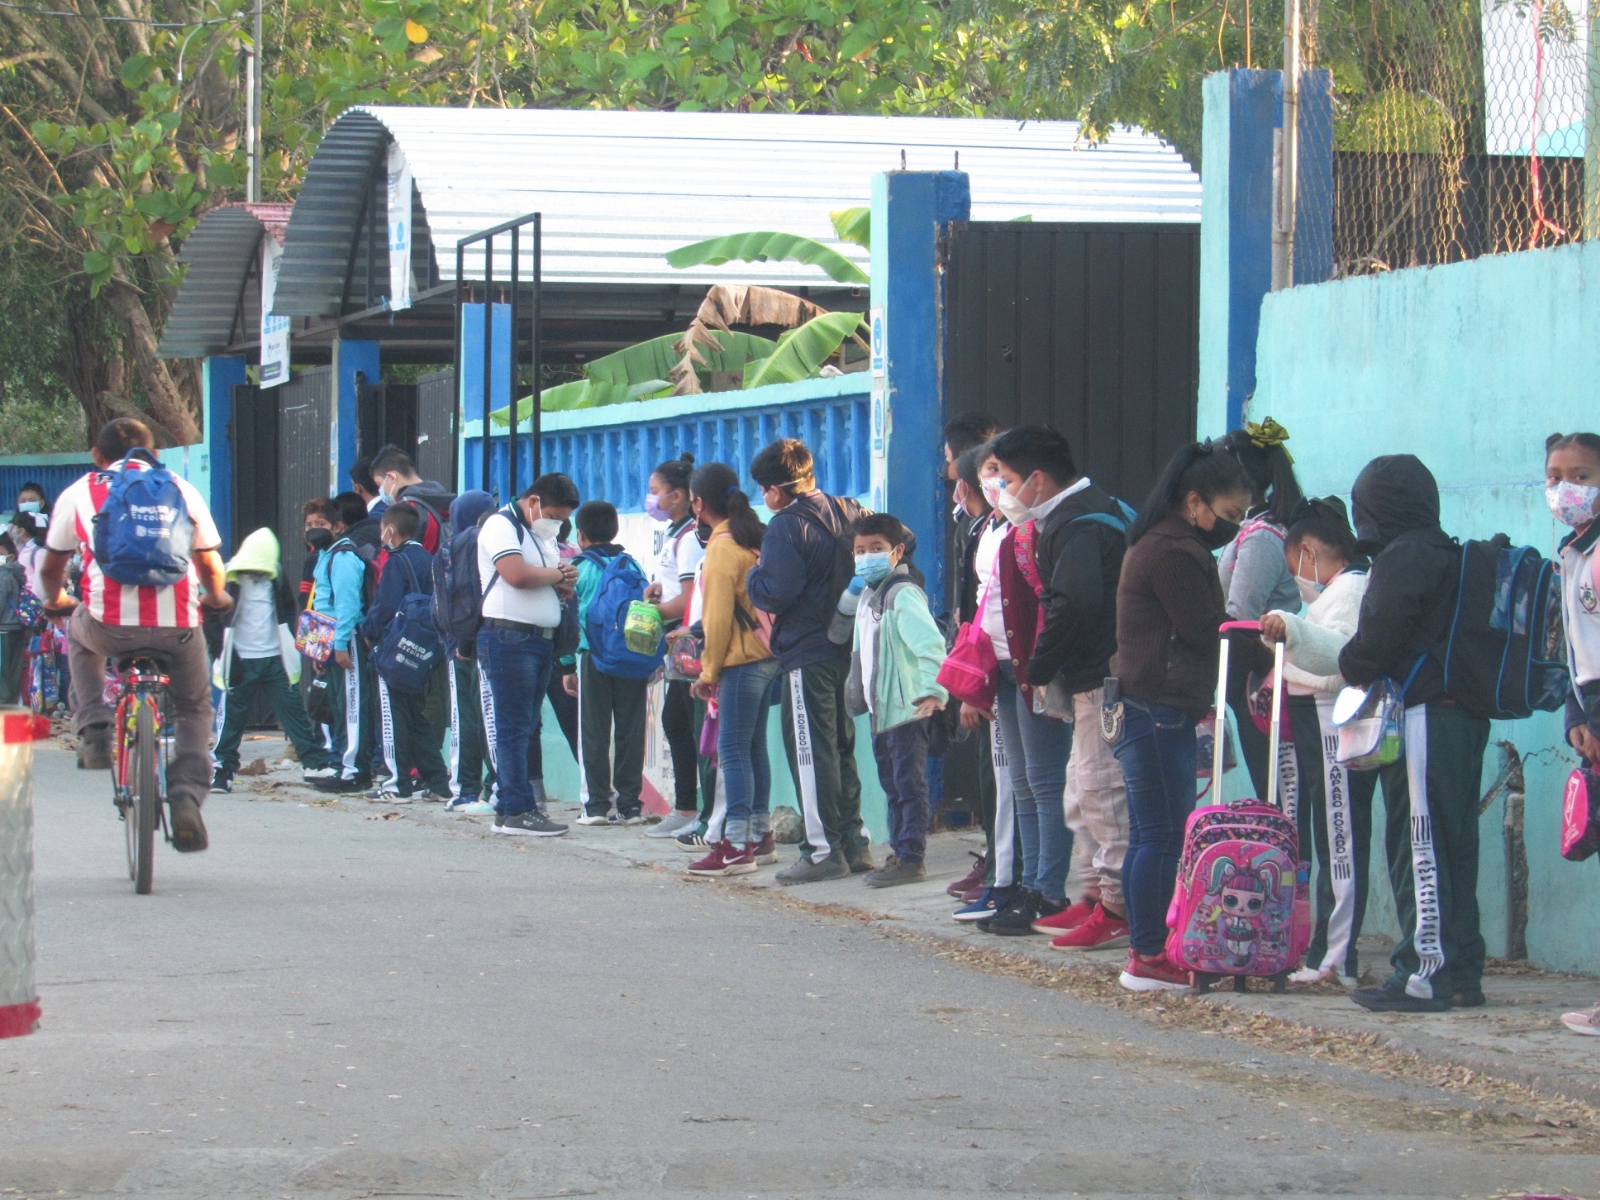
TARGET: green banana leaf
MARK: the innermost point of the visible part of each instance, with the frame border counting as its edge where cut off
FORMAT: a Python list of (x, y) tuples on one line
[(854, 225), (583, 393), (655, 358), (765, 247), (801, 352)]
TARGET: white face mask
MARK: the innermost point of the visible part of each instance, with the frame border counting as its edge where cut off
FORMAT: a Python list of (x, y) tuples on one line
[(992, 486), (546, 529), (1572, 503), (1012, 508), (1310, 590)]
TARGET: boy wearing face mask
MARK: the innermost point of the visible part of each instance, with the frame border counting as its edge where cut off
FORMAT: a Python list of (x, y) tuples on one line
[(894, 677)]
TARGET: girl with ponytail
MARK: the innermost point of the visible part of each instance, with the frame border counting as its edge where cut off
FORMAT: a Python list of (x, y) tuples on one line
[(736, 671), (1169, 607), (1256, 578)]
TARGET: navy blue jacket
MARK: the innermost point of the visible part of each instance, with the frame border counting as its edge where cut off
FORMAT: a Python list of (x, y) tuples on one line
[(394, 584), (794, 579)]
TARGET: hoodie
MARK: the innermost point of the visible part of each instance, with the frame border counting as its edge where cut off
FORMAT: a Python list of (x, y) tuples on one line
[(1080, 563), (794, 578), (1411, 588), (466, 510), (437, 500), (258, 554)]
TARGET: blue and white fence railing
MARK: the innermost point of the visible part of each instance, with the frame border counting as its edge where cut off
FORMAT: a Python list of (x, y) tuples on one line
[(610, 452)]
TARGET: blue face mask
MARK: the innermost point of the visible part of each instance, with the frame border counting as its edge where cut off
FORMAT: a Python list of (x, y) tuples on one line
[(29, 506), (873, 567)]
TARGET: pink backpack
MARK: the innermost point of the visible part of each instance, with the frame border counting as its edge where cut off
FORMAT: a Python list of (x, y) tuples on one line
[(1580, 815), (1242, 905)]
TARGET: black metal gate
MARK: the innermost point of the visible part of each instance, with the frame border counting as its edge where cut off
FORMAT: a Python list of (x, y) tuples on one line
[(254, 434), (417, 417), (436, 427), (305, 454), (1091, 329)]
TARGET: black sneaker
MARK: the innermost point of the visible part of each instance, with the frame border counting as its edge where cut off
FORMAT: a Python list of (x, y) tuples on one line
[(1397, 1000), (1017, 918), (342, 786), (1468, 999), (222, 781), (532, 823)]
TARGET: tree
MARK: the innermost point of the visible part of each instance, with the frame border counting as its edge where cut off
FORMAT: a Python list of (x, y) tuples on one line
[(121, 125)]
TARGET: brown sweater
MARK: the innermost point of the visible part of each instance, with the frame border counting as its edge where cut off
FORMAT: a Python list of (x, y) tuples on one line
[(727, 642), (1169, 608)]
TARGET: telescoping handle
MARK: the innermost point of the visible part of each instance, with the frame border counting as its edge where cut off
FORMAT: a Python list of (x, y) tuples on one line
[(1221, 732)]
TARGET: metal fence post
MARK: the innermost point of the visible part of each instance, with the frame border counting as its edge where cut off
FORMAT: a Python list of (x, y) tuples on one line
[(19, 1004)]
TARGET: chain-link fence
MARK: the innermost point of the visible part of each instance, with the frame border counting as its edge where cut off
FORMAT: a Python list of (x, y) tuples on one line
[(1458, 128)]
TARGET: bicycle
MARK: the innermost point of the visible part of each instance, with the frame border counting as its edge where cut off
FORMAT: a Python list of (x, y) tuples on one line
[(139, 765)]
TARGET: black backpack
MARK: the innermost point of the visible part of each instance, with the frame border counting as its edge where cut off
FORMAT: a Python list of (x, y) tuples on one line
[(1507, 653), (844, 548)]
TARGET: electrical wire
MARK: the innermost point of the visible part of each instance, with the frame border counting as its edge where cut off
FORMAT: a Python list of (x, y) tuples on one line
[(52, 12)]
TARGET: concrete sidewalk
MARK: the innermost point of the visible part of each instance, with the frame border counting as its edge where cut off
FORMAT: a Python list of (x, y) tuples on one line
[(1516, 1036)]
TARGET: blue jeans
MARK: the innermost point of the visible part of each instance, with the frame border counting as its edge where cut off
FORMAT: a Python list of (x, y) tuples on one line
[(517, 666), (744, 695), (1037, 750), (1157, 754)]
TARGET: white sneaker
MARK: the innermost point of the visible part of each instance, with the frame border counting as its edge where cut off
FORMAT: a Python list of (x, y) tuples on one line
[(316, 773), (593, 819), (673, 824), (476, 807), (1586, 1023), (1306, 975)]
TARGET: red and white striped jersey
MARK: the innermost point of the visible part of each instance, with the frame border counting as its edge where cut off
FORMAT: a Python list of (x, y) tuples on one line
[(176, 606)]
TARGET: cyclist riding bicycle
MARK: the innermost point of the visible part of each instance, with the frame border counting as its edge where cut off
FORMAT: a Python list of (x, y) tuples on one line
[(116, 620)]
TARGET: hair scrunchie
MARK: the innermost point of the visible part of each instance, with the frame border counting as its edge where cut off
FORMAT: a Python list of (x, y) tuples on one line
[(1267, 434)]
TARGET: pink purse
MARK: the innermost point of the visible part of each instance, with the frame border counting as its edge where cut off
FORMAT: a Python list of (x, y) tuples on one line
[(971, 672)]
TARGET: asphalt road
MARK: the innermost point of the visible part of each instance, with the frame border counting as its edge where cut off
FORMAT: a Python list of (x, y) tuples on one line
[(330, 1004)]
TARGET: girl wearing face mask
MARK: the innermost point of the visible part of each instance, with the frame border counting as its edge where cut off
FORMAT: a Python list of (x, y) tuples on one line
[(1335, 803), (1572, 490), (1169, 608), (681, 552), (1255, 577)]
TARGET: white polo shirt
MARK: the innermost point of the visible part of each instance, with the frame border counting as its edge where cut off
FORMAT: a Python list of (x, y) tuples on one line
[(499, 536)]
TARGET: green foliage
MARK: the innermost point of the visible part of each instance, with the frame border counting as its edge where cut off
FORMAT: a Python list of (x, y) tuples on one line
[(30, 425), (854, 225), (801, 352), (767, 247)]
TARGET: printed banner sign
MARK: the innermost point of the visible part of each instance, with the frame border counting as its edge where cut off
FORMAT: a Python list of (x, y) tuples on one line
[(274, 330), (399, 228)]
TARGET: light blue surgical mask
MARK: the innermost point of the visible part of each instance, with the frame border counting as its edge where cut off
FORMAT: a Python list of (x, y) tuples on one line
[(29, 506), (874, 568)]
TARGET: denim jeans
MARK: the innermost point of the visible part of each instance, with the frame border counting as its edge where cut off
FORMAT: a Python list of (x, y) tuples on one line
[(743, 697), (517, 665), (1037, 750), (1157, 754)]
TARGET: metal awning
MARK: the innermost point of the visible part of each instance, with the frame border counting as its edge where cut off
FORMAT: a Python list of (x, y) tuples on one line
[(214, 308)]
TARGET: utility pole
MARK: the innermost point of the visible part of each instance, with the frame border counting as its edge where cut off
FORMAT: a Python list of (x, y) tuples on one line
[(1288, 152), (253, 103)]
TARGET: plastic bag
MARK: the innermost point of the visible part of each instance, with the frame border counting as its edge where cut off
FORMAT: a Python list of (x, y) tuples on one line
[(1369, 722)]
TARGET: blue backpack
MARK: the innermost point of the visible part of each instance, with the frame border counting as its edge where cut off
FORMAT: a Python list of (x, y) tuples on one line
[(143, 534), (458, 592), (411, 645), (622, 581)]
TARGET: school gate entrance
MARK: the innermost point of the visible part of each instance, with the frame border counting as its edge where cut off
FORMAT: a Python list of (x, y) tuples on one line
[(1092, 329)]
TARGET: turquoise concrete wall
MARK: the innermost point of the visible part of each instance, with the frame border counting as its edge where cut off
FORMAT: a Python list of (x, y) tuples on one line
[(1468, 366)]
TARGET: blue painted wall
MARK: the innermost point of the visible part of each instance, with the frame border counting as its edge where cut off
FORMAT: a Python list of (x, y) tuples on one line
[(349, 360), (218, 374), (1468, 366), (471, 383)]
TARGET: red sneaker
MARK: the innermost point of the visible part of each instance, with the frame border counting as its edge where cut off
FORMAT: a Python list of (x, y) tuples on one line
[(725, 859), (1102, 931), (765, 852), (1069, 917), (1154, 975), (973, 895), (972, 879)]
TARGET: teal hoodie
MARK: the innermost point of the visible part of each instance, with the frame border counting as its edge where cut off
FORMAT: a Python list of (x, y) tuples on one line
[(339, 577), (910, 652)]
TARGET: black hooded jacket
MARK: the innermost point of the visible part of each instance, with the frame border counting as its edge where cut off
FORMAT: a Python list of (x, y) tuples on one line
[(1080, 562), (1411, 590)]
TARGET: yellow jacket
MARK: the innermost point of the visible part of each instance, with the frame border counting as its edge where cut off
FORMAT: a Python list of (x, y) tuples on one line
[(727, 643)]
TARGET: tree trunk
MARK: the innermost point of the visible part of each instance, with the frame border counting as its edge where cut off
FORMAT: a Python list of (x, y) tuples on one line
[(169, 405)]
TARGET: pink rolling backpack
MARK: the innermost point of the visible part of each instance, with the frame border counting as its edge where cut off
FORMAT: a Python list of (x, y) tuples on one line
[(1242, 905)]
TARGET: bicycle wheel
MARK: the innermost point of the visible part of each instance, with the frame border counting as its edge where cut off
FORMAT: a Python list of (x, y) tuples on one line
[(147, 796)]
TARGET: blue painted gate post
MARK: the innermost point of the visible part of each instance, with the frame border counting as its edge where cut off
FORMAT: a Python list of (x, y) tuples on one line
[(911, 213), (218, 375), (349, 360), (1243, 111), (469, 395)]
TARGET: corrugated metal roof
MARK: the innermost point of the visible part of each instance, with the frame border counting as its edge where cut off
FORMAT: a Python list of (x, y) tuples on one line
[(620, 189), (221, 254)]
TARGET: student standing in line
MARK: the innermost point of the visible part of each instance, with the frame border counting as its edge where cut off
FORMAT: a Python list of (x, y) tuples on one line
[(471, 773), (1404, 629), (1255, 575), (558, 500), (1572, 490), (797, 582), (1169, 609), (737, 670), (894, 680), (681, 552), (1335, 804), (339, 590), (521, 613)]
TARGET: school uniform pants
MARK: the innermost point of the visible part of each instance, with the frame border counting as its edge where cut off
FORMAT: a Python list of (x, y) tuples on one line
[(1253, 744), (819, 736), (351, 693), (902, 755), (1430, 800), (246, 678), (565, 708), (470, 772), (682, 731), (1096, 802), (410, 737), (188, 690), (1335, 822), (612, 714)]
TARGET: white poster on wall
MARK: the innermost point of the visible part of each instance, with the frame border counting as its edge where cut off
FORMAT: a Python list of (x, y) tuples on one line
[(274, 330), (399, 228)]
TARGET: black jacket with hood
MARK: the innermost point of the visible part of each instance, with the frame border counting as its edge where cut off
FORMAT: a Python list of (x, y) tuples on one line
[(1080, 563), (1411, 589)]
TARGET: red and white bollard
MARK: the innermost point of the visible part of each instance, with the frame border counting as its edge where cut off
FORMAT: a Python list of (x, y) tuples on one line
[(19, 1004)]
